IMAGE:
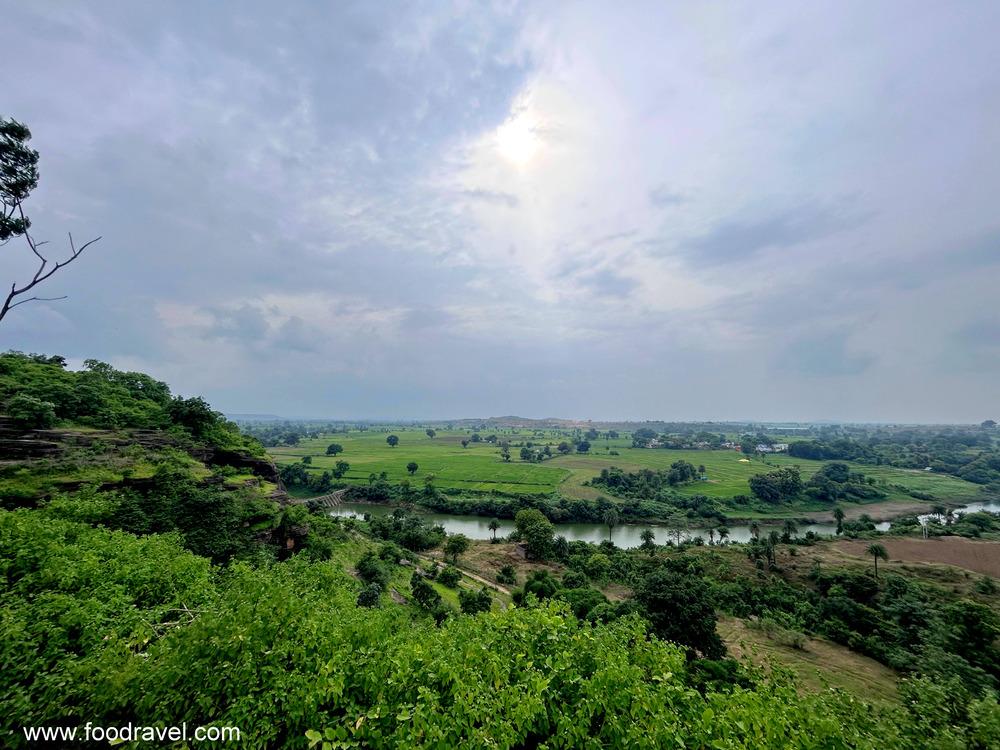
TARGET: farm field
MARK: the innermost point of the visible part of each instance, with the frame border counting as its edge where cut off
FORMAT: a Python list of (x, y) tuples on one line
[(977, 556), (479, 466)]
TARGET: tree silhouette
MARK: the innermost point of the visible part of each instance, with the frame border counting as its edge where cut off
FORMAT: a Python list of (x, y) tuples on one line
[(877, 551), (838, 514), (18, 177), (611, 520)]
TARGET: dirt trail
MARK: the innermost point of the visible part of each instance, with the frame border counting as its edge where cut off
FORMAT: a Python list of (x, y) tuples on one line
[(470, 574)]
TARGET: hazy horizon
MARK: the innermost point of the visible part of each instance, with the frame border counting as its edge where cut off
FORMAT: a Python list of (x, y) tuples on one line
[(628, 212)]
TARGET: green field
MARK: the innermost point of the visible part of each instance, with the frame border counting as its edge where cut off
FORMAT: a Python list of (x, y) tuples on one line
[(479, 466)]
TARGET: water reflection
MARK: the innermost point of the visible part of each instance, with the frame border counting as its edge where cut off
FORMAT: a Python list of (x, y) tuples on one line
[(625, 535)]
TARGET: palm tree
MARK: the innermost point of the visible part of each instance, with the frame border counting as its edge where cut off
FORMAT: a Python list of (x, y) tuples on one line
[(838, 514), (610, 520), (494, 525), (723, 534), (878, 551), (648, 540), (755, 530), (790, 529)]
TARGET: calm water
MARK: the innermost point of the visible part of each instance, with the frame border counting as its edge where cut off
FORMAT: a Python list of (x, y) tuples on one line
[(624, 535)]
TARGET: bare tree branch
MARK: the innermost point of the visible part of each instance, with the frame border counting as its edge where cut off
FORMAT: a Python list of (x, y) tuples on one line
[(40, 274)]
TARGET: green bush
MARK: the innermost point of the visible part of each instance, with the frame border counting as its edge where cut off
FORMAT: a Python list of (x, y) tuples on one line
[(31, 413), (450, 577)]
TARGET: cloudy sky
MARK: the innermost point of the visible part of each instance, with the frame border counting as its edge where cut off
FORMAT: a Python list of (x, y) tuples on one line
[(592, 210)]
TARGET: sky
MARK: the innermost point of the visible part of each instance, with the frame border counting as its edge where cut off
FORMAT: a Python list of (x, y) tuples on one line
[(682, 211)]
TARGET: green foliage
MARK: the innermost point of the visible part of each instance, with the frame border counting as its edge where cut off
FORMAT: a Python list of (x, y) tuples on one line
[(777, 486), (30, 412), (18, 176), (536, 531), (678, 603), (103, 626), (370, 596), (474, 602), (101, 396), (411, 532), (507, 575), (450, 577), (372, 570), (214, 522), (456, 545)]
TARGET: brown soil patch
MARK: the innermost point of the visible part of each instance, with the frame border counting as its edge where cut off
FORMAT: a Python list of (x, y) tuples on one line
[(977, 556), (486, 559)]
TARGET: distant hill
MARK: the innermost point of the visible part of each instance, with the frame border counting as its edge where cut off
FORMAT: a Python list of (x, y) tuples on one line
[(255, 418)]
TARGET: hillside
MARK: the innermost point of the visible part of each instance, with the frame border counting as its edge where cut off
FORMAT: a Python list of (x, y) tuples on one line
[(154, 574)]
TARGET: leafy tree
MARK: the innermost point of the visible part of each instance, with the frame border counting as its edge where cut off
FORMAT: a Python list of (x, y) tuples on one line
[(307, 460), (777, 486), (505, 455), (583, 446), (541, 583), (334, 449), (564, 448), (838, 515), (877, 551), (194, 414), (341, 468), (678, 604), (412, 467), (536, 531), (474, 602), (371, 570), (430, 433), (465, 443), (507, 575), (423, 593), (456, 545), (31, 413), (450, 577), (370, 596), (392, 440), (597, 566)]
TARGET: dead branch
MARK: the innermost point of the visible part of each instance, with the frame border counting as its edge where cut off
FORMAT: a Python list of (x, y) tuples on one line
[(41, 274)]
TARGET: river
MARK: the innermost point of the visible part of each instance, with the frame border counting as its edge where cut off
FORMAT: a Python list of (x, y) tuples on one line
[(626, 535)]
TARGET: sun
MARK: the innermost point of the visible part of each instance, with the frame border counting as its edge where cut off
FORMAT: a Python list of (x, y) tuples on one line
[(517, 140)]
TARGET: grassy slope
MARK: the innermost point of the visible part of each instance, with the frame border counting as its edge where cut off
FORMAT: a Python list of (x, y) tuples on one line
[(479, 466), (818, 665)]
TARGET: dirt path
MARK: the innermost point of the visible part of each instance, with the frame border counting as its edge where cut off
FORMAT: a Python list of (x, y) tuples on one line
[(977, 556), (473, 576)]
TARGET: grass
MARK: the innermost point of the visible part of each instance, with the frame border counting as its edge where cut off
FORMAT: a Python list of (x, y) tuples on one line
[(817, 663), (479, 466)]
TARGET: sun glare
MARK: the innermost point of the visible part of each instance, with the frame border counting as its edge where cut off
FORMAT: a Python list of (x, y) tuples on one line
[(517, 140)]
